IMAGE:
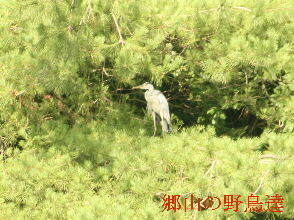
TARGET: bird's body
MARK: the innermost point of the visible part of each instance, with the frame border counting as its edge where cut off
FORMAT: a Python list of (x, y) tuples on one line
[(157, 106)]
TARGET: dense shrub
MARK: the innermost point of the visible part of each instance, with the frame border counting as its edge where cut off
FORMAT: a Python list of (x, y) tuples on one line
[(53, 184), (216, 61)]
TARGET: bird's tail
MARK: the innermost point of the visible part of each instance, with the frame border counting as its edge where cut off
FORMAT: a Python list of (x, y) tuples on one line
[(166, 126)]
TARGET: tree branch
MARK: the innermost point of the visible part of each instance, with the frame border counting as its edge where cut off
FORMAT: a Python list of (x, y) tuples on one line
[(262, 181), (242, 8), (121, 40), (89, 12), (211, 168)]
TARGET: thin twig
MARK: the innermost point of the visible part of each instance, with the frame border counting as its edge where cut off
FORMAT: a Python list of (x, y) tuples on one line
[(246, 77), (262, 181), (89, 12), (272, 156), (20, 93), (234, 7), (89, 9), (242, 8), (104, 71), (269, 156), (72, 3), (208, 10), (121, 40), (211, 168)]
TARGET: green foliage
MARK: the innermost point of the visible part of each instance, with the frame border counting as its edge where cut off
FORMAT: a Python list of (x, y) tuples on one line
[(53, 184), (212, 57), (31, 182)]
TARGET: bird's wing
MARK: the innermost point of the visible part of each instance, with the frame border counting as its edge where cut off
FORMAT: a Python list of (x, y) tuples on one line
[(158, 103)]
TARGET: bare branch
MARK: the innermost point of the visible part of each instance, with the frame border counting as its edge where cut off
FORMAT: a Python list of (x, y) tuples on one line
[(208, 10), (211, 168), (121, 40), (246, 77), (89, 12), (262, 181), (20, 93), (242, 8), (234, 7), (104, 71), (72, 3), (272, 156)]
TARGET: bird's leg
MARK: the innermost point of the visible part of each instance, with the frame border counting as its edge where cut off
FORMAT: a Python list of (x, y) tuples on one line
[(162, 125), (154, 122)]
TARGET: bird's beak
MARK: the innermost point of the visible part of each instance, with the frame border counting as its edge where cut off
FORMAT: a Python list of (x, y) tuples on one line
[(136, 87)]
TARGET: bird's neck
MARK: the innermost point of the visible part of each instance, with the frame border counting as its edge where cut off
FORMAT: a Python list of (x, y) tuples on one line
[(150, 89)]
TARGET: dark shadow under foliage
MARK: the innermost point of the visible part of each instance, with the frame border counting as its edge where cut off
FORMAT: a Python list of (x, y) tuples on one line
[(268, 216), (243, 120), (239, 122)]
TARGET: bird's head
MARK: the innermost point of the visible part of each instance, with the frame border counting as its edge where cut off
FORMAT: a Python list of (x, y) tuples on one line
[(145, 86)]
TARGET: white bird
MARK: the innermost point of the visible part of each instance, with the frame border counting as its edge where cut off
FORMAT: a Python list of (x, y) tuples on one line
[(157, 106)]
